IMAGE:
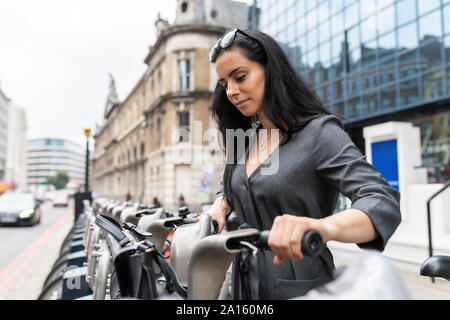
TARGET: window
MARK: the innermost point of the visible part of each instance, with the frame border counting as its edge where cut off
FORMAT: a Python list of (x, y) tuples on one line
[(447, 21), (409, 92), (406, 11), (428, 5), (388, 97), (407, 37), (430, 26), (351, 15), (142, 149), (183, 126), (370, 101), (184, 74), (431, 55), (432, 85), (184, 6), (387, 19)]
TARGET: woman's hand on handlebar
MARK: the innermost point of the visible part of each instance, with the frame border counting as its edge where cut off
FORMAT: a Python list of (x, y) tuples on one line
[(218, 212), (219, 217), (286, 236)]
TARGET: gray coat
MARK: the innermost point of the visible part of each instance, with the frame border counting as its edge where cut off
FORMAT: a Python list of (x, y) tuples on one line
[(314, 165)]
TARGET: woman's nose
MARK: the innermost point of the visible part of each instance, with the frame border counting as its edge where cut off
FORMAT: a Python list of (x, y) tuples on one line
[(232, 90)]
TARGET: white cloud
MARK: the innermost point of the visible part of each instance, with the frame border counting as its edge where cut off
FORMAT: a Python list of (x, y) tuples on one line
[(55, 57)]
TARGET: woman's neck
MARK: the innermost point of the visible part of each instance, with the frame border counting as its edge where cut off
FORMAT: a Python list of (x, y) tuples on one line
[(265, 121)]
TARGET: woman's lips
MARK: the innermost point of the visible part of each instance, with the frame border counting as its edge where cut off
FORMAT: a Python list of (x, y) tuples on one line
[(240, 103)]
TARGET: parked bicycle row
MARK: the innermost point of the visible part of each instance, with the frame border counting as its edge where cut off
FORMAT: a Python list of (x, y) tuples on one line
[(126, 250)]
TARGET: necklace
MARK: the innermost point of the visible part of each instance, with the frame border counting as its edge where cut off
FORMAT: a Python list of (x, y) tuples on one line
[(263, 144)]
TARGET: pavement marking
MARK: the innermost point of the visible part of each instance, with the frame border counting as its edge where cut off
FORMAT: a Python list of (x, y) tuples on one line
[(9, 273)]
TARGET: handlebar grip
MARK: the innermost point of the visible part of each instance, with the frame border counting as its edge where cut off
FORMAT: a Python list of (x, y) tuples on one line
[(189, 220), (312, 243), (263, 239), (215, 226)]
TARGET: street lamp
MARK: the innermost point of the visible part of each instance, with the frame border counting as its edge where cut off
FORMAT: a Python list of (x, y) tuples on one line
[(87, 133), (86, 195)]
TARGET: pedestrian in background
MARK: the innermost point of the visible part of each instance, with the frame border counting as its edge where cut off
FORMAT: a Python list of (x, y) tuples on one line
[(181, 202), (156, 203), (259, 89), (128, 196)]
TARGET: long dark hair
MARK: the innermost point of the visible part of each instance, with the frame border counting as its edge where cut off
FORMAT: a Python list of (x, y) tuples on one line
[(288, 100)]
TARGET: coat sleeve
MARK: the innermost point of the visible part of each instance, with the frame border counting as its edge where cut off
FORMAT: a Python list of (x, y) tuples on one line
[(219, 192), (341, 164)]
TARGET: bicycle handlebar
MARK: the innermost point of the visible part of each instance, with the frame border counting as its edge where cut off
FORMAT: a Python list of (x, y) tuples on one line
[(312, 243)]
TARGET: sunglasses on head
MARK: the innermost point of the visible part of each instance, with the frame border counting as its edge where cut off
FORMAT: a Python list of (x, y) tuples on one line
[(226, 41)]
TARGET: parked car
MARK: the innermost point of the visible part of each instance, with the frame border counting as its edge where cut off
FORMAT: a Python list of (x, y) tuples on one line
[(61, 198), (49, 195), (19, 208)]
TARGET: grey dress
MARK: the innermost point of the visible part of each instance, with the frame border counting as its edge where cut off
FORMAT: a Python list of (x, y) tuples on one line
[(314, 165)]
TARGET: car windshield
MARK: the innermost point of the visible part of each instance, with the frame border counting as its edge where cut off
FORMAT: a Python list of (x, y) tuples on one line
[(17, 199)]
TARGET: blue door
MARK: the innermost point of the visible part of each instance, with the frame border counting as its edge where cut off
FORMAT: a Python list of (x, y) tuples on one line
[(384, 159)]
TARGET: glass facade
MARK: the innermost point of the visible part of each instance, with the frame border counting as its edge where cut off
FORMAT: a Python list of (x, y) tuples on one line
[(369, 58)]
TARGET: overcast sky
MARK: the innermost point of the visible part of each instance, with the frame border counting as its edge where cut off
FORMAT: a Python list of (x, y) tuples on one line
[(55, 56)]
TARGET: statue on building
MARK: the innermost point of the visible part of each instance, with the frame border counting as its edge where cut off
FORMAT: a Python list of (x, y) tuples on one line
[(160, 24), (113, 98)]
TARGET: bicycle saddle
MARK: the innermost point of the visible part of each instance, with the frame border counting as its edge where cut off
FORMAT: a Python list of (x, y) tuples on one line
[(436, 266)]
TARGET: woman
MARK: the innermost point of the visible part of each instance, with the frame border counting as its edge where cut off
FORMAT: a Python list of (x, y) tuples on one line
[(314, 160)]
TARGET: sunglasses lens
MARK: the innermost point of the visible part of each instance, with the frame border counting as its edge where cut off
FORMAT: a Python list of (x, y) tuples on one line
[(213, 51), (227, 40)]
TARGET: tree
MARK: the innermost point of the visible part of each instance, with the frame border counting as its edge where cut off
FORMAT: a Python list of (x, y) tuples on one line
[(59, 180)]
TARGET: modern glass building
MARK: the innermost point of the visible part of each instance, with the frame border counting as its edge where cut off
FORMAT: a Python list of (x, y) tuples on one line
[(372, 61), (47, 156)]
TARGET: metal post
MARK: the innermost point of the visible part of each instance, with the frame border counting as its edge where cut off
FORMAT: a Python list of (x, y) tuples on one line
[(87, 133), (430, 238), (86, 177)]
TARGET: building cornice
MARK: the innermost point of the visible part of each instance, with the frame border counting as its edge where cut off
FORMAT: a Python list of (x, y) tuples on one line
[(130, 129), (172, 30), (175, 96), (111, 144), (118, 168)]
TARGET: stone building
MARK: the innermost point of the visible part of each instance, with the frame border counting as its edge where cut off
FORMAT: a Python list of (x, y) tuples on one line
[(152, 143)]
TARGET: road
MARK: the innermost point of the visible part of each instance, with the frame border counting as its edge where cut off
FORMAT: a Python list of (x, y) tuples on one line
[(28, 253)]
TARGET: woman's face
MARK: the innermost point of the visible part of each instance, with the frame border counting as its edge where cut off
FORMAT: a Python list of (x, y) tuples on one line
[(243, 80)]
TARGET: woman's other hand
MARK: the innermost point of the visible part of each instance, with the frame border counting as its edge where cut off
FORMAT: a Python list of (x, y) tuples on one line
[(218, 212)]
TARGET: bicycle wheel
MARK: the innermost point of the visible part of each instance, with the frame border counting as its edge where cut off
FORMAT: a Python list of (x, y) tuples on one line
[(53, 291), (62, 256), (57, 271), (66, 241)]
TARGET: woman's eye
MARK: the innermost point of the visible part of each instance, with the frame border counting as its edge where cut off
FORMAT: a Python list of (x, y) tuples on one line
[(241, 78)]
